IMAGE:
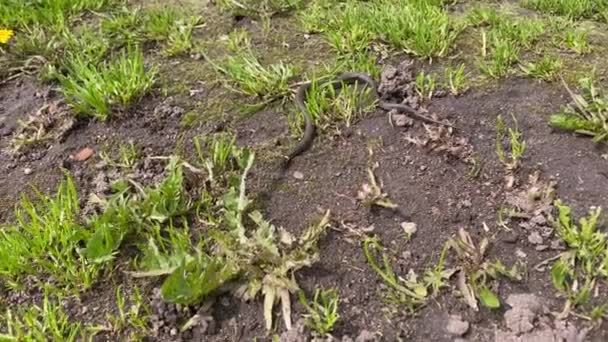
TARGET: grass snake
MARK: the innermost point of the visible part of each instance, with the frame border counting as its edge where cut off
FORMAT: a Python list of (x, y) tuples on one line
[(348, 78)]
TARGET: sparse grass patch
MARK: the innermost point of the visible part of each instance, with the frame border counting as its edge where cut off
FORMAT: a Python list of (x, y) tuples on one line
[(589, 113), (45, 241), (254, 79), (248, 76), (49, 322), (125, 158), (515, 141), (476, 273), (503, 56), (410, 291), (576, 41), (99, 90), (420, 28), (456, 79), (132, 313), (322, 310), (425, 84), (330, 109), (575, 9), (580, 267), (20, 14), (547, 68), (172, 28), (503, 39), (258, 8)]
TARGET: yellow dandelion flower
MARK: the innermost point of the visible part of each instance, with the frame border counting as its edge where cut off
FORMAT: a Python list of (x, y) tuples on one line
[(5, 35)]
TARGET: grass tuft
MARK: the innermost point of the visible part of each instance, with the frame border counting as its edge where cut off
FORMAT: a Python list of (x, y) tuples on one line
[(322, 310), (589, 113), (546, 69), (586, 259), (575, 9), (515, 141), (46, 242), (417, 27), (98, 91), (49, 322)]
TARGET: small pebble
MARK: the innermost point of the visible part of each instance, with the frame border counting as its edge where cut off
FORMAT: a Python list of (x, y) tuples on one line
[(535, 238), (27, 171), (456, 326), (298, 175), (173, 332)]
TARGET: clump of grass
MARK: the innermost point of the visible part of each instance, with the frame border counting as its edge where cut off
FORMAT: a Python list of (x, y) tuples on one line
[(258, 8), (586, 261), (588, 115), (49, 322), (98, 91), (421, 28), (125, 158), (46, 242), (575, 9), (322, 310), (546, 69), (456, 80), (20, 14), (576, 41), (515, 141), (411, 291), (254, 79), (329, 109), (425, 84), (132, 314), (248, 76), (503, 56), (476, 273), (502, 42), (171, 28)]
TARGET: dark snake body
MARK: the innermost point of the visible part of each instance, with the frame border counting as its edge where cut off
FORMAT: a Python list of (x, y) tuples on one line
[(347, 78)]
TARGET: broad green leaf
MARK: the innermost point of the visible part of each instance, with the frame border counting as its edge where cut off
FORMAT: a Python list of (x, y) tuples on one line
[(154, 263), (487, 298), (188, 284)]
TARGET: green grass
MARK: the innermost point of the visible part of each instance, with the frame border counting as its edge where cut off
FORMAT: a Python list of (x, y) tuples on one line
[(18, 14), (426, 84), (246, 75), (258, 8), (252, 78), (575, 9), (46, 242), (547, 68), (330, 110), (585, 261), (100, 91), (132, 314), (502, 38), (125, 157), (48, 322), (477, 274), (322, 310), (589, 113), (512, 137), (576, 41), (420, 28)]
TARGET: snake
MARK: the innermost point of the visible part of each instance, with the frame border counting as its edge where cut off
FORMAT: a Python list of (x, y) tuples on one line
[(347, 78)]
